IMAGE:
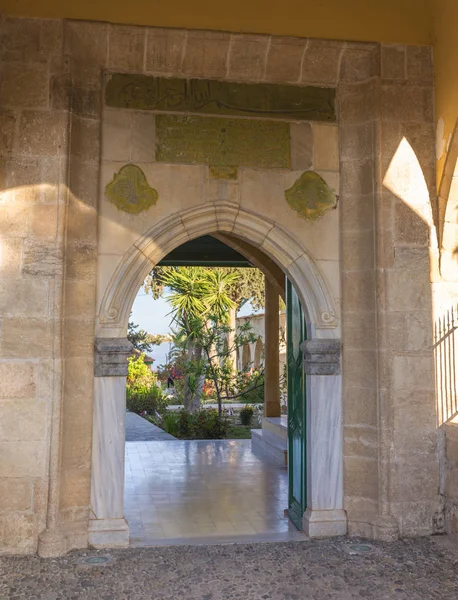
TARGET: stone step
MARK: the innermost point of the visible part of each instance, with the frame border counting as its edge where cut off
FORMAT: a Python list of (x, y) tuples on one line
[(271, 444), (277, 426)]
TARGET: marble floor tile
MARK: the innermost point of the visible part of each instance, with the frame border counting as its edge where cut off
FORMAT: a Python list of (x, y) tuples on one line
[(198, 491)]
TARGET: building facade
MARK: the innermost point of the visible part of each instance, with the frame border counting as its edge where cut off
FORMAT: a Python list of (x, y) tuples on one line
[(109, 163)]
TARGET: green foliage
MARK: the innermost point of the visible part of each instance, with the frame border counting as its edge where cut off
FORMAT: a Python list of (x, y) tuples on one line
[(143, 341), (248, 283), (149, 400), (246, 415), (143, 395), (170, 423), (252, 387), (139, 375), (204, 424)]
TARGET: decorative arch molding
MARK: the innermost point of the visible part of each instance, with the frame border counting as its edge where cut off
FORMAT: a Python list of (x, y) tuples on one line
[(212, 217)]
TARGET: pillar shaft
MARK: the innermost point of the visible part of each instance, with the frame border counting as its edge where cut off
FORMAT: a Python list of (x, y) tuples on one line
[(271, 353), (107, 526)]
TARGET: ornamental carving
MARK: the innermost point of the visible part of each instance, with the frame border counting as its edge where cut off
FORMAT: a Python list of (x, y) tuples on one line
[(311, 196), (130, 191)]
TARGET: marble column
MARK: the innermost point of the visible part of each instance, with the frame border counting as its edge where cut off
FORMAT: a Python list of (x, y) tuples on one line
[(271, 352), (107, 525), (324, 515)]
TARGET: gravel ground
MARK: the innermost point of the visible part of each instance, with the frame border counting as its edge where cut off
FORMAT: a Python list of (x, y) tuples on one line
[(318, 569)]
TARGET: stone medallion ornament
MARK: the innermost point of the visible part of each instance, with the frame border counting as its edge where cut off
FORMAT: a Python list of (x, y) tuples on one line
[(311, 196), (130, 191)]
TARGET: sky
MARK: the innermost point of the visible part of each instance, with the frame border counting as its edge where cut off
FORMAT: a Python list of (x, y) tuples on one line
[(153, 316)]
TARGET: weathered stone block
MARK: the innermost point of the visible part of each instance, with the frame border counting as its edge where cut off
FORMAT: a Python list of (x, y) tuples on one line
[(247, 59), (361, 476), (410, 228), (357, 177), (326, 147), (413, 373), (393, 61), (359, 367), (21, 297), (25, 337), (321, 357), (87, 41), (359, 103), (31, 40), (357, 141), (358, 290), (284, 59), (75, 489), (17, 533), (18, 380), (111, 357), (42, 133), (42, 260), (359, 62), (143, 137), (358, 253), (85, 139), (11, 256), (116, 135), (79, 336), (360, 405), (81, 260), (164, 50), (24, 85), (23, 420), (301, 146), (357, 212), (22, 459), (321, 62), (126, 47), (7, 127), (81, 221), (407, 103), (361, 441), (15, 494), (205, 54), (419, 63)]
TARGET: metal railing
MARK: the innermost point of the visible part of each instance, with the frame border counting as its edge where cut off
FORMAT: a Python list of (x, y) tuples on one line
[(446, 352)]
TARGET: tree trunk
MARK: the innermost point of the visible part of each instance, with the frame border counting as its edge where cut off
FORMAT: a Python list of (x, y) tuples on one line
[(187, 395), (232, 356)]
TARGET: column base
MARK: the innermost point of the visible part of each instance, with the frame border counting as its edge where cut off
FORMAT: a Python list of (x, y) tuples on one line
[(108, 533), (324, 523), (51, 543)]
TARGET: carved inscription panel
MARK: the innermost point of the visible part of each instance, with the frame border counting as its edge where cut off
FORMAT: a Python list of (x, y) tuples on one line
[(222, 142), (213, 97)]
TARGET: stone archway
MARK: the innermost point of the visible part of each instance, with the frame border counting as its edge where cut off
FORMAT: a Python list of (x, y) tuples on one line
[(325, 515)]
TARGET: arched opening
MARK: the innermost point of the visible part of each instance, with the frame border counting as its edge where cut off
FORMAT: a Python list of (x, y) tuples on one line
[(246, 356), (258, 353), (276, 248)]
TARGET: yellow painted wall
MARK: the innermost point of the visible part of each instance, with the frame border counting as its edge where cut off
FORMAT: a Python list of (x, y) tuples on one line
[(406, 21), (446, 68)]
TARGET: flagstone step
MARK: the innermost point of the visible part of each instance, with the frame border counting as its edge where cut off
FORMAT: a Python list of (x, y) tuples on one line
[(268, 442)]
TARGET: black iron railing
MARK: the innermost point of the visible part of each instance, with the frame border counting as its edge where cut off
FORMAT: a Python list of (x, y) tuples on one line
[(446, 351)]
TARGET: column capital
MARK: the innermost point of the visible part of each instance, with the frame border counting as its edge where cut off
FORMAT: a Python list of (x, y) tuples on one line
[(111, 357), (321, 357)]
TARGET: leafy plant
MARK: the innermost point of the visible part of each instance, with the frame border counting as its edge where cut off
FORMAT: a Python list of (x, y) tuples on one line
[(170, 423), (246, 415), (147, 399)]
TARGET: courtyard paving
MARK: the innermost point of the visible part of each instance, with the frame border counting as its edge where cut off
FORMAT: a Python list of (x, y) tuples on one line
[(198, 492), (420, 569)]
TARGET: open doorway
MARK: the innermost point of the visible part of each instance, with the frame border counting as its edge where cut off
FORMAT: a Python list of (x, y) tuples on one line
[(186, 481)]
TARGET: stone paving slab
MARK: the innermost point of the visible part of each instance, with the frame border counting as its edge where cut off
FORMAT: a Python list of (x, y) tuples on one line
[(139, 429), (417, 569)]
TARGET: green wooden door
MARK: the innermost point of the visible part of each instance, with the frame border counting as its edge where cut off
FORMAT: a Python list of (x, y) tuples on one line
[(296, 334)]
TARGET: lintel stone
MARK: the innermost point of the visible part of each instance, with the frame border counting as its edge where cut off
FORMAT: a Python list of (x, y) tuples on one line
[(111, 357), (321, 357)]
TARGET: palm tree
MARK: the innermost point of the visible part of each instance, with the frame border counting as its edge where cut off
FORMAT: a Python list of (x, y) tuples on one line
[(199, 296)]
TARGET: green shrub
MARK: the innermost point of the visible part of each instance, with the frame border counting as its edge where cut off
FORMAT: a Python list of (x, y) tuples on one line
[(246, 415), (185, 424), (171, 423), (147, 399), (208, 425)]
